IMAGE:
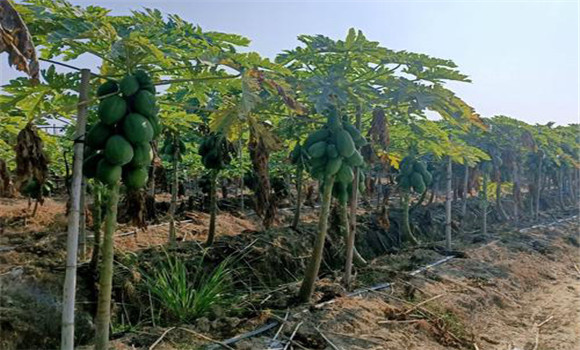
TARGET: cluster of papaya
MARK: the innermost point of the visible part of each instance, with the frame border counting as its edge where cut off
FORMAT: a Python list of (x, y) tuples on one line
[(170, 146), (215, 151), (333, 152), (414, 175), (118, 145)]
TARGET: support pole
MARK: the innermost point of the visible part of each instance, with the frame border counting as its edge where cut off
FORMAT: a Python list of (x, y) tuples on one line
[(68, 302)]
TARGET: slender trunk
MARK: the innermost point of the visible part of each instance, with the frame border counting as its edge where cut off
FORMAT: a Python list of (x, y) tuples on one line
[(406, 225), (350, 235), (498, 204), (516, 194), (103, 317), (212, 208), (173, 205), (296, 219), (464, 202), (83, 221), (484, 204), (97, 221), (68, 303), (448, 199), (307, 287), (561, 187), (240, 153)]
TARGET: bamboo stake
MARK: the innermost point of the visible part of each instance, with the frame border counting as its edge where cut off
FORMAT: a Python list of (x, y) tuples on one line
[(69, 289)]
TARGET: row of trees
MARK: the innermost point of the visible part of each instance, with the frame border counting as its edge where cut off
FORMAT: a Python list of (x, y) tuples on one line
[(255, 110)]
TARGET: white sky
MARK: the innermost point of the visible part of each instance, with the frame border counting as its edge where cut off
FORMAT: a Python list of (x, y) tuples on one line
[(523, 56)]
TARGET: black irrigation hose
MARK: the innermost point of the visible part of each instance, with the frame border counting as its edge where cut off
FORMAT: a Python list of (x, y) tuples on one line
[(361, 291)]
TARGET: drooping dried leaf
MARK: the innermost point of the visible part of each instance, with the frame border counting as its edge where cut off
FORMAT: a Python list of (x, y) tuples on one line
[(6, 188), (379, 131), (31, 160), (16, 40)]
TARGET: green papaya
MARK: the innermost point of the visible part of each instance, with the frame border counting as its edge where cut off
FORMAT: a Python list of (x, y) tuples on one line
[(318, 135), (112, 109), (321, 161), (362, 186), (108, 173), (333, 166), (137, 177), (331, 151), (356, 159), (144, 104), (406, 166), (417, 182), (427, 178), (360, 142), (212, 160), (344, 144), (143, 78), (296, 154), (90, 165), (204, 147), (98, 135), (419, 167), (317, 150), (129, 85), (334, 122), (142, 155), (108, 87), (353, 131), (182, 147), (404, 182), (137, 129), (345, 174), (155, 123), (118, 150), (317, 172)]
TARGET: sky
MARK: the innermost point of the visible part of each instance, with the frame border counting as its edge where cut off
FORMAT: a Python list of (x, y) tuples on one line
[(522, 56)]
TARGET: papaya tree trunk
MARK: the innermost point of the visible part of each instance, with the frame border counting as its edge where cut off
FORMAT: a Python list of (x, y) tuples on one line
[(484, 205), (405, 222), (212, 207), (97, 221), (464, 202), (103, 317), (448, 199), (69, 289), (516, 193), (561, 187), (307, 287), (296, 219), (173, 205), (498, 204)]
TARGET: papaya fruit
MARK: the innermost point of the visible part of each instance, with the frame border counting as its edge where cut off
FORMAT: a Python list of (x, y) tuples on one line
[(118, 150), (334, 123), (296, 154), (204, 147), (356, 159), (404, 182), (212, 160), (98, 135), (331, 151), (137, 129), (362, 186), (344, 143), (341, 192), (419, 167), (406, 166), (345, 174), (353, 131), (427, 178), (318, 135), (112, 109), (360, 142), (333, 166), (137, 177), (108, 87), (317, 150), (417, 182), (142, 155), (155, 123), (317, 172), (321, 161), (143, 78), (144, 104), (182, 147), (108, 173), (129, 85), (90, 165)]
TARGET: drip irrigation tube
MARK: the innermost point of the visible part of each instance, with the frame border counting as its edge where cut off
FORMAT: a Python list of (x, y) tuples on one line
[(361, 291)]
